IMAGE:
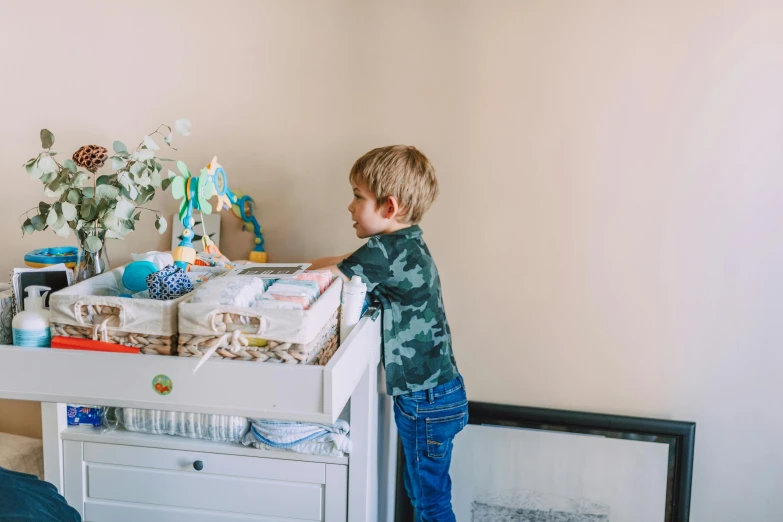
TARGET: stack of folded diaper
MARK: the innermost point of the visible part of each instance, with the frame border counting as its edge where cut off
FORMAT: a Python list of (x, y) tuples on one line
[(302, 293), (298, 293), (322, 277), (239, 291), (245, 291), (216, 428), (298, 437)]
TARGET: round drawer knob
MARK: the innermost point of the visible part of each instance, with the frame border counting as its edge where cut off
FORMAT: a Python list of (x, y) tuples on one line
[(198, 465)]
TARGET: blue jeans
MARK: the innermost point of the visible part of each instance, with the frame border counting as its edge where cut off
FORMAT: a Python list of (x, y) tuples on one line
[(427, 422)]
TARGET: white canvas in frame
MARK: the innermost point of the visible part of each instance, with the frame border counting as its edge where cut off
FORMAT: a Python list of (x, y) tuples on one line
[(498, 473), (212, 224)]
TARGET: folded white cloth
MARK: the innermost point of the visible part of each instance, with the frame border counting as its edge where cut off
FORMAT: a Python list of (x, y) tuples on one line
[(159, 259), (299, 437), (240, 291)]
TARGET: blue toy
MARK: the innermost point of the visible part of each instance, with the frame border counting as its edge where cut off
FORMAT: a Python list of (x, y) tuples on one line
[(134, 278), (195, 193), (42, 257)]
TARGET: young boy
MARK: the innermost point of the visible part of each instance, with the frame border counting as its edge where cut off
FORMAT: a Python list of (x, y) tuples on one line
[(392, 189)]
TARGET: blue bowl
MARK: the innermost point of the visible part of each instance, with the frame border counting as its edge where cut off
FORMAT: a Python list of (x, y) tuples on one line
[(42, 257)]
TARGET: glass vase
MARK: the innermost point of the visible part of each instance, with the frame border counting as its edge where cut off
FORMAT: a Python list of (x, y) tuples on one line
[(90, 264)]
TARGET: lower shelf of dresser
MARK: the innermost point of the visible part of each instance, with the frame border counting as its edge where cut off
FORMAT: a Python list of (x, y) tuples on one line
[(108, 480), (123, 437)]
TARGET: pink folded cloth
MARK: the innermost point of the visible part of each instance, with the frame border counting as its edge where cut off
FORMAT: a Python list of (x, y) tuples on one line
[(322, 277), (299, 299)]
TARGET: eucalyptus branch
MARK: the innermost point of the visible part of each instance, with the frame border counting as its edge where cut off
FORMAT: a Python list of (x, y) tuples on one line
[(156, 131), (123, 171), (80, 207), (26, 212)]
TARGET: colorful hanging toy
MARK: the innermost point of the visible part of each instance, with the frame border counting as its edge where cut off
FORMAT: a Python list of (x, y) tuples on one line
[(195, 193)]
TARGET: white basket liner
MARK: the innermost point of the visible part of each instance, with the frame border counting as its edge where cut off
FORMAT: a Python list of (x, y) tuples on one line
[(288, 326), (148, 316)]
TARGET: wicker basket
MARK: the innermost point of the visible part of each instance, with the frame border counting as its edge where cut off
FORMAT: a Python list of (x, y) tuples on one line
[(275, 336), (102, 323), (240, 346), (93, 310)]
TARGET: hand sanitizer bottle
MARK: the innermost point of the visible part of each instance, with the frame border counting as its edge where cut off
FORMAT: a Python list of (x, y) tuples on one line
[(31, 327), (353, 305)]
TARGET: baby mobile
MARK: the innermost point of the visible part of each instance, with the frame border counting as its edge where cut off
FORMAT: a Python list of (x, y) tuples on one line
[(195, 193)]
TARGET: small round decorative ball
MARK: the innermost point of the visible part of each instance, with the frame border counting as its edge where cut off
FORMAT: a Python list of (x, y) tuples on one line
[(91, 157), (135, 276)]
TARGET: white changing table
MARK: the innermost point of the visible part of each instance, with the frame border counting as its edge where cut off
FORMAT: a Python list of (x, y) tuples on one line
[(122, 476)]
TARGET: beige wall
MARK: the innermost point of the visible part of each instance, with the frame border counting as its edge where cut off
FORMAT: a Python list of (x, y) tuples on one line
[(623, 160)]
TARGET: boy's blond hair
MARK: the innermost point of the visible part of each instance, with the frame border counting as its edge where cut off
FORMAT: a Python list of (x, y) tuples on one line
[(401, 171)]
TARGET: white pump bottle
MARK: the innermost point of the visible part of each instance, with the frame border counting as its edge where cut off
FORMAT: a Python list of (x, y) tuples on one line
[(31, 327), (354, 292)]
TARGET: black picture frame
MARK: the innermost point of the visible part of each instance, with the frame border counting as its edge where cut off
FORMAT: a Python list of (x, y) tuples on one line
[(679, 435)]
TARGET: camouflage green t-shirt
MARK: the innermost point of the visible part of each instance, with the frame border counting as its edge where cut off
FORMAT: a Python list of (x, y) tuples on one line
[(399, 271)]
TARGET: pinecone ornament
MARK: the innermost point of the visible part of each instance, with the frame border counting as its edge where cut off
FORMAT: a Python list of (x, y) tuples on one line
[(91, 157)]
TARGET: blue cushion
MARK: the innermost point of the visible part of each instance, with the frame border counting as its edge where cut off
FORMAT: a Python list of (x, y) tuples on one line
[(25, 498)]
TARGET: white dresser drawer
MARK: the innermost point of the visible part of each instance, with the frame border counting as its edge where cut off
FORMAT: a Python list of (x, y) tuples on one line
[(203, 491), (115, 482), (210, 463)]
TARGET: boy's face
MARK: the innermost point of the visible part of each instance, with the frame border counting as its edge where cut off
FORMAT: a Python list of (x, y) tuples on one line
[(368, 218)]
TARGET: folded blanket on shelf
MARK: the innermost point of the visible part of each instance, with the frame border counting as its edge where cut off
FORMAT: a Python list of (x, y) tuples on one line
[(299, 437)]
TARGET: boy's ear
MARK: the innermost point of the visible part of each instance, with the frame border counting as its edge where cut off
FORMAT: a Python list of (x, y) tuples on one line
[(390, 208)]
